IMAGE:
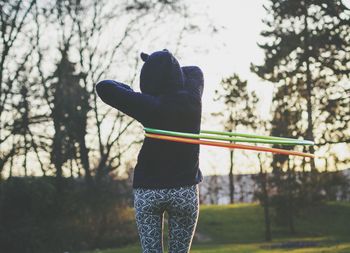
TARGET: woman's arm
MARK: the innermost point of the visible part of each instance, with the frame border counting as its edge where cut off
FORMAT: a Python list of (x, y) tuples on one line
[(141, 107)]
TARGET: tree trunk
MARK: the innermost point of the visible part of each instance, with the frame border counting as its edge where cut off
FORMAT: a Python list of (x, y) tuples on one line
[(290, 212), (25, 154), (57, 156), (84, 156), (309, 131), (266, 210), (265, 200), (231, 179)]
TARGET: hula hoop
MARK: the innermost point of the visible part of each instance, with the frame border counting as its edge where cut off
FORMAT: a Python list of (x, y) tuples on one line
[(254, 136), (229, 145), (226, 136)]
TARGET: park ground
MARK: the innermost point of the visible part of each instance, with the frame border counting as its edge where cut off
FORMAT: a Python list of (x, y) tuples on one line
[(240, 228)]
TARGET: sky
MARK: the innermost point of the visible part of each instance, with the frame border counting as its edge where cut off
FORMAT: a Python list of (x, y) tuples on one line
[(234, 49), (230, 50)]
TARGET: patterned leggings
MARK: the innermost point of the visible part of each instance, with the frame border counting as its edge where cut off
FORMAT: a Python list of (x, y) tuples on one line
[(182, 206)]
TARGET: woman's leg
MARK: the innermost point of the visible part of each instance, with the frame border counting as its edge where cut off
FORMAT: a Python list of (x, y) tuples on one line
[(149, 210), (183, 215)]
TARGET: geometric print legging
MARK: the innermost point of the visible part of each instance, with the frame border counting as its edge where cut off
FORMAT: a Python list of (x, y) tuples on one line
[(182, 206)]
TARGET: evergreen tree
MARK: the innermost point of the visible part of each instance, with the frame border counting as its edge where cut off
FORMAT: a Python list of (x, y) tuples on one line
[(239, 111), (69, 115), (307, 49), (306, 45)]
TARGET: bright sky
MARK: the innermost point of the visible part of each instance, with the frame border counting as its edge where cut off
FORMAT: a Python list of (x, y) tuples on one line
[(229, 51), (233, 50)]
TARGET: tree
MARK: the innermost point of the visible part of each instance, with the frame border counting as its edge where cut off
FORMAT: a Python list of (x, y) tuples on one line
[(306, 49), (239, 111), (94, 140), (69, 115), (264, 198), (14, 19)]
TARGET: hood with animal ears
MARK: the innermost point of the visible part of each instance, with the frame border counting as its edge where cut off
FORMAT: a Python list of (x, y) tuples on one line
[(160, 74)]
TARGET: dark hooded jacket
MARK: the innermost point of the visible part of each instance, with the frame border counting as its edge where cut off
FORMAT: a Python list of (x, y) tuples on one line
[(170, 99)]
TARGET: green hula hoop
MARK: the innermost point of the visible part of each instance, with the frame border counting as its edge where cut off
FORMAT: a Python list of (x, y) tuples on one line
[(254, 136), (227, 136)]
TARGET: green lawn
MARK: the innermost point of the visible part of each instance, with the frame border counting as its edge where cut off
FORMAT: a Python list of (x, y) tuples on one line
[(239, 228)]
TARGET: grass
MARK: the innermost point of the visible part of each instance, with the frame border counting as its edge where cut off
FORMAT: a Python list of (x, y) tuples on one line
[(240, 228)]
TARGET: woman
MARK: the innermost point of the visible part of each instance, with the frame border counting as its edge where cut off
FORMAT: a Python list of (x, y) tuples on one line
[(166, 175)]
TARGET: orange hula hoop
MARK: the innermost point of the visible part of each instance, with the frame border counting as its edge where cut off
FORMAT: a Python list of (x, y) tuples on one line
[(229, 145)]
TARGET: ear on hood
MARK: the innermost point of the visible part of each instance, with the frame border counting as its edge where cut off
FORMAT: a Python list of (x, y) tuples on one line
[(144, 56), (160, 74)]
